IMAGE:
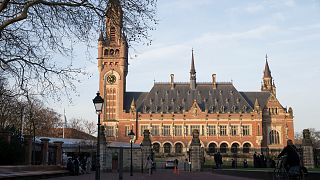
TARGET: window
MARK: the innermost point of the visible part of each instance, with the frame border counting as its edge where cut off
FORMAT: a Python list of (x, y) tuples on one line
[(211, 130), (212, 148), (223, 130), (166, 130), (246, 130), (246, 148), (156, 147), (193, 127), (274, 137), (142, 128), (155, 130), (178, 148), (178, 130), (126, 130), (234, 130), (112, 34), (109, 131), (167, 148), (223, 148)]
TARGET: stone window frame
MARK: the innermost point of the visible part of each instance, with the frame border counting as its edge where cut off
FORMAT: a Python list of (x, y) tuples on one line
[(155, 130), (127, 130), (178, 128), (142, 128), (166, 130), (224, 129), (234, 129), (246, 131), (211, 130), (109, 131)]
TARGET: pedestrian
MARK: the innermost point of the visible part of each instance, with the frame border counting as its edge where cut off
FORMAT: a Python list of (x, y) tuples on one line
[(233, 163), (220, 160), (255, 157), (185, 164), (149, 165), (176, 163), (245, 163), (76, 166)]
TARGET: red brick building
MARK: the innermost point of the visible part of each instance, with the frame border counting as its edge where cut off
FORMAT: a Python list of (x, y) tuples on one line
[(224, 116)]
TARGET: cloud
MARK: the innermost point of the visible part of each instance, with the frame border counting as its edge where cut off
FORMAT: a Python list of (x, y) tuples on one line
[(254, 8)]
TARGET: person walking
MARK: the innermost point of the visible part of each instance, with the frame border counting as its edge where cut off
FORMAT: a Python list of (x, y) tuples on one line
[(149, 165)]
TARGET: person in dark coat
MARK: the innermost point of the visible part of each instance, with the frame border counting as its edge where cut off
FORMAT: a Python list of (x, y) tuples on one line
[(293, 158), (255, 159), (76, 166)]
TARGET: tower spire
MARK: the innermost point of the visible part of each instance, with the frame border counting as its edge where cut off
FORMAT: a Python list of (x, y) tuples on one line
[(267, 72), (192, 73), (268, 83)]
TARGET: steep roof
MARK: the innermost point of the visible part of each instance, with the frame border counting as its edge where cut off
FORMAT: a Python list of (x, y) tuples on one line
[(262, 98), (162, 98)]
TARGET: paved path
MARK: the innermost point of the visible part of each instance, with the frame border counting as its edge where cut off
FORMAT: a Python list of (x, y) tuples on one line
[(159, 175)]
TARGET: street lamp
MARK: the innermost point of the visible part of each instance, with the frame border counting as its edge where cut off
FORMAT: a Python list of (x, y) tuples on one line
[(131, 135), (98, 104)]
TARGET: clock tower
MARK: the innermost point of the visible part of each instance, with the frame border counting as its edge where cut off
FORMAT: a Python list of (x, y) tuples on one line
[(113, 62)]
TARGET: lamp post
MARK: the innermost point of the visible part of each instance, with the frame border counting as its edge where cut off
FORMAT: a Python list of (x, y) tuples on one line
[(98, 104), (131, 135)]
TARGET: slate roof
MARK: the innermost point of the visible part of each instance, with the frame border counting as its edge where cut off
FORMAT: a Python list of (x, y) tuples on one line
[(224, 99), (262, 98)]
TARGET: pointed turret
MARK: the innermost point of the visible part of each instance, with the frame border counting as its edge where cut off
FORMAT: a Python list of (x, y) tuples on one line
[(256, 105), (268, 83), (101, 38), (133, 106), (192, 73), (267, 72)]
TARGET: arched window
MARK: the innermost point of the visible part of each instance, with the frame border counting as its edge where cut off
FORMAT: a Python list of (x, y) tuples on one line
[(212, 148), (156, 147), (274, 137), (178, 148), (167, 148), (246, 147), (223, 148), (234, 148)]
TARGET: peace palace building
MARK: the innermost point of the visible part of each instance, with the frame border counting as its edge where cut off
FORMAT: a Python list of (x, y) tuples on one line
[(224, 116)]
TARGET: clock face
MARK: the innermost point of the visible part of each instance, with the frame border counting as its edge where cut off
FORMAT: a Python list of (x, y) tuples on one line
[(111, 79)]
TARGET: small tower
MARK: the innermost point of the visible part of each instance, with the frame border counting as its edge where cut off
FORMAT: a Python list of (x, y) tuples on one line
[(268, 83), (192, 74)]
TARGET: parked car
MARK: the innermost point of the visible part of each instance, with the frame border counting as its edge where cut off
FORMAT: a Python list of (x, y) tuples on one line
[(169, 164)]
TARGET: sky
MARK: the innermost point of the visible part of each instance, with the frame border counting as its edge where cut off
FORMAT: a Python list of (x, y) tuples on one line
[(231, 39)]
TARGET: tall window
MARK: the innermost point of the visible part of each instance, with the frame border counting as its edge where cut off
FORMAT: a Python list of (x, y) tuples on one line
[(155, 130), (112, 34), (211, 130), (178, 130), (202, 130), (109, 131), (223, 130), (166, 130), (127, 130), (274, 137), (246, 130), (142, 128), (234, 130)]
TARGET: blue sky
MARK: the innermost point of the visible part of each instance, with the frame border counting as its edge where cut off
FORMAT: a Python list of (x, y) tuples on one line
[(229, 38)]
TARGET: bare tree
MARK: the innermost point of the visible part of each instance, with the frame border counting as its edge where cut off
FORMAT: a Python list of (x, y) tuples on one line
[(83, 125), (32, 31)]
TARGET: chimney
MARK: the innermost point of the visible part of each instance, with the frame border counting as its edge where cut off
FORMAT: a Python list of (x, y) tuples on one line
[(214, 81), (172, 81)]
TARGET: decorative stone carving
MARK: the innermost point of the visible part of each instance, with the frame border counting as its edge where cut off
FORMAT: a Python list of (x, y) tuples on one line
[(306, 141), (146, 138), (195, 138)]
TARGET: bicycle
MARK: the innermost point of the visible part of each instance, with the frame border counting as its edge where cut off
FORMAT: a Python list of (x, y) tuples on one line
[(280, 171)]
